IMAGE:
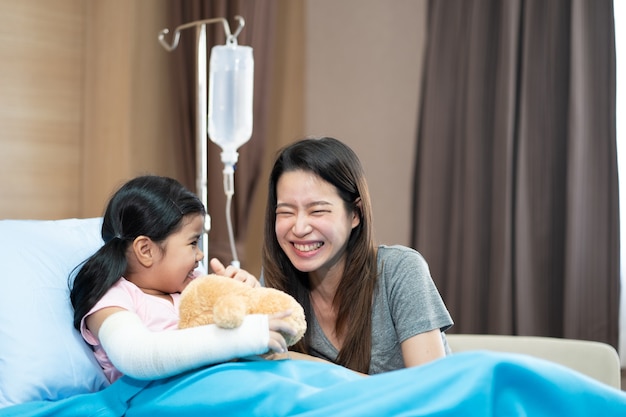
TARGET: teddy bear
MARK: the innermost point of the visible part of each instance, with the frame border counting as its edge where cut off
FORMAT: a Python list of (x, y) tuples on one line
[(214, 299)]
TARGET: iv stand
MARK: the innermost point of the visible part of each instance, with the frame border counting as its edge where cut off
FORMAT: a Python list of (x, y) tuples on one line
[(202, 108)]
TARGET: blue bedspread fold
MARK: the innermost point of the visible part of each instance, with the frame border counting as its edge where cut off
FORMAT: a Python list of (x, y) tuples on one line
[(464, 384)]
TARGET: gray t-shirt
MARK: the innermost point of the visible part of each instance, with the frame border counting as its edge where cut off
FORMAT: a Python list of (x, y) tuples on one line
[(406, 303)]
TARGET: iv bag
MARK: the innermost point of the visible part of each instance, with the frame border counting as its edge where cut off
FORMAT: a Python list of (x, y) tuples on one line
[(231, 83)]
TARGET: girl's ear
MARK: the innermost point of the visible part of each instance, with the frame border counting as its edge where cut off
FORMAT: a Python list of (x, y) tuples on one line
[(144, 250)]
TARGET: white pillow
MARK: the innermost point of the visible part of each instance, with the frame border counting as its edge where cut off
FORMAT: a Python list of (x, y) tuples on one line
[(42, 356)]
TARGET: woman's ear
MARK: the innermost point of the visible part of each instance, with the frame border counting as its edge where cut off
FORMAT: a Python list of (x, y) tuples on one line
[(357, 212), (145, 250)]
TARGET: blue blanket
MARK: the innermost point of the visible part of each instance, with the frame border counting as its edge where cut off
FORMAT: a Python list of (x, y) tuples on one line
[(464, 384)]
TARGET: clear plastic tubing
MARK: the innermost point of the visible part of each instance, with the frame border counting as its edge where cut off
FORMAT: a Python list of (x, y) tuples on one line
[(231, 84)]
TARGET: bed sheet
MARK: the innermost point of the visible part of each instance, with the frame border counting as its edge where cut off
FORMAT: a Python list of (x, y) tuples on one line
[(468, 384)]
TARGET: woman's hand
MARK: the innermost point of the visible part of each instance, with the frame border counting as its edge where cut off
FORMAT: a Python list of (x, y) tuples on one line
[(234, 273)]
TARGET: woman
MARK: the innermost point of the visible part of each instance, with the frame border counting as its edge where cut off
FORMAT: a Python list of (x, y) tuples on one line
[(371, 309)]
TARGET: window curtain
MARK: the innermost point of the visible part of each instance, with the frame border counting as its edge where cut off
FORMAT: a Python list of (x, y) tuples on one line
[(258, 33), (516, 189)]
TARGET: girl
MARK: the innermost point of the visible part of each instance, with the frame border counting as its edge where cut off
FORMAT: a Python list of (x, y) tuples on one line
[(126, 295), (371, 309)]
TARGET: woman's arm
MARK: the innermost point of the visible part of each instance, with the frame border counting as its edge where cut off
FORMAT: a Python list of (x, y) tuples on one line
[(302, 357), (422, 348), (294, 355)]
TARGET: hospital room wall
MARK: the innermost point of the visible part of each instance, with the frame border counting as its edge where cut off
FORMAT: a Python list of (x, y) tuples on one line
[(41, 71), (363, 71), (84, 103)]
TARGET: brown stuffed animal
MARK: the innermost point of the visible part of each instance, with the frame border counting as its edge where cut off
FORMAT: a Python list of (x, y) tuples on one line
[(224, 301)]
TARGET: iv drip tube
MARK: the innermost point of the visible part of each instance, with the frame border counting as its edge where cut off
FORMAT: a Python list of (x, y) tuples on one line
[(229, 190)]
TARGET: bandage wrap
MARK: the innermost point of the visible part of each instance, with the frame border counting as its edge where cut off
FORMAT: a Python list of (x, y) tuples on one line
[(141, 353)]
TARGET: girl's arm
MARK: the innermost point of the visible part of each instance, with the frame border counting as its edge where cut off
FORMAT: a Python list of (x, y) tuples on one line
[(422, 348), (143, 354)]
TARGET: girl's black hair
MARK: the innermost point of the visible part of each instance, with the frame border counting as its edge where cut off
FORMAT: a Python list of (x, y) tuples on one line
[(149, 205)]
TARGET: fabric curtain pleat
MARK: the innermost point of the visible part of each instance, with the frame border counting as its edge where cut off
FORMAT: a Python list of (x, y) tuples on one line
[(515, 192)]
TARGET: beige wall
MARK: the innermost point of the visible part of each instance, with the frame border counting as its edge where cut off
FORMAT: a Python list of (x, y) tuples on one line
[(363, 69)]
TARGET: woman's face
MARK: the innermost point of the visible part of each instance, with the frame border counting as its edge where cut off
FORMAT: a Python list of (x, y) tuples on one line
[(312, 223)]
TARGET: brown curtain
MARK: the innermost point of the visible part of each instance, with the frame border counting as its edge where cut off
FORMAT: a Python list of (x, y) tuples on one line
[(516, 193), (258, 33)]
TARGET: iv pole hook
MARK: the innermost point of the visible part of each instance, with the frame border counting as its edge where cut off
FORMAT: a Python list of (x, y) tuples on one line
[(230, 38)]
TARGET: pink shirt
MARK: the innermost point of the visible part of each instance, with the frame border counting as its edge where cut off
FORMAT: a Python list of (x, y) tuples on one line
[(156, 313)]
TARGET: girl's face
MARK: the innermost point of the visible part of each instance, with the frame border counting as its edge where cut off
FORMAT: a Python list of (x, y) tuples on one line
[(312, 223), (179, 257)]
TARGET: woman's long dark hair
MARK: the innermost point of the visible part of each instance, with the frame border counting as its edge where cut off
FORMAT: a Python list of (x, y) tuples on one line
[(151, 206), (337, 164)]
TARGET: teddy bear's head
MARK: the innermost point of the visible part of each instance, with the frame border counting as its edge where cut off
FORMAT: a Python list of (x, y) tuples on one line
[(214, 299)]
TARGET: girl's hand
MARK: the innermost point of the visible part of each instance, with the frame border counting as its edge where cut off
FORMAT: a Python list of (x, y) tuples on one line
[(235, 273), (278, 326)]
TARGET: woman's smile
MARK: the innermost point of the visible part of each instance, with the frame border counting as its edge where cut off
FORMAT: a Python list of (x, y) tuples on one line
[(307, 247)]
